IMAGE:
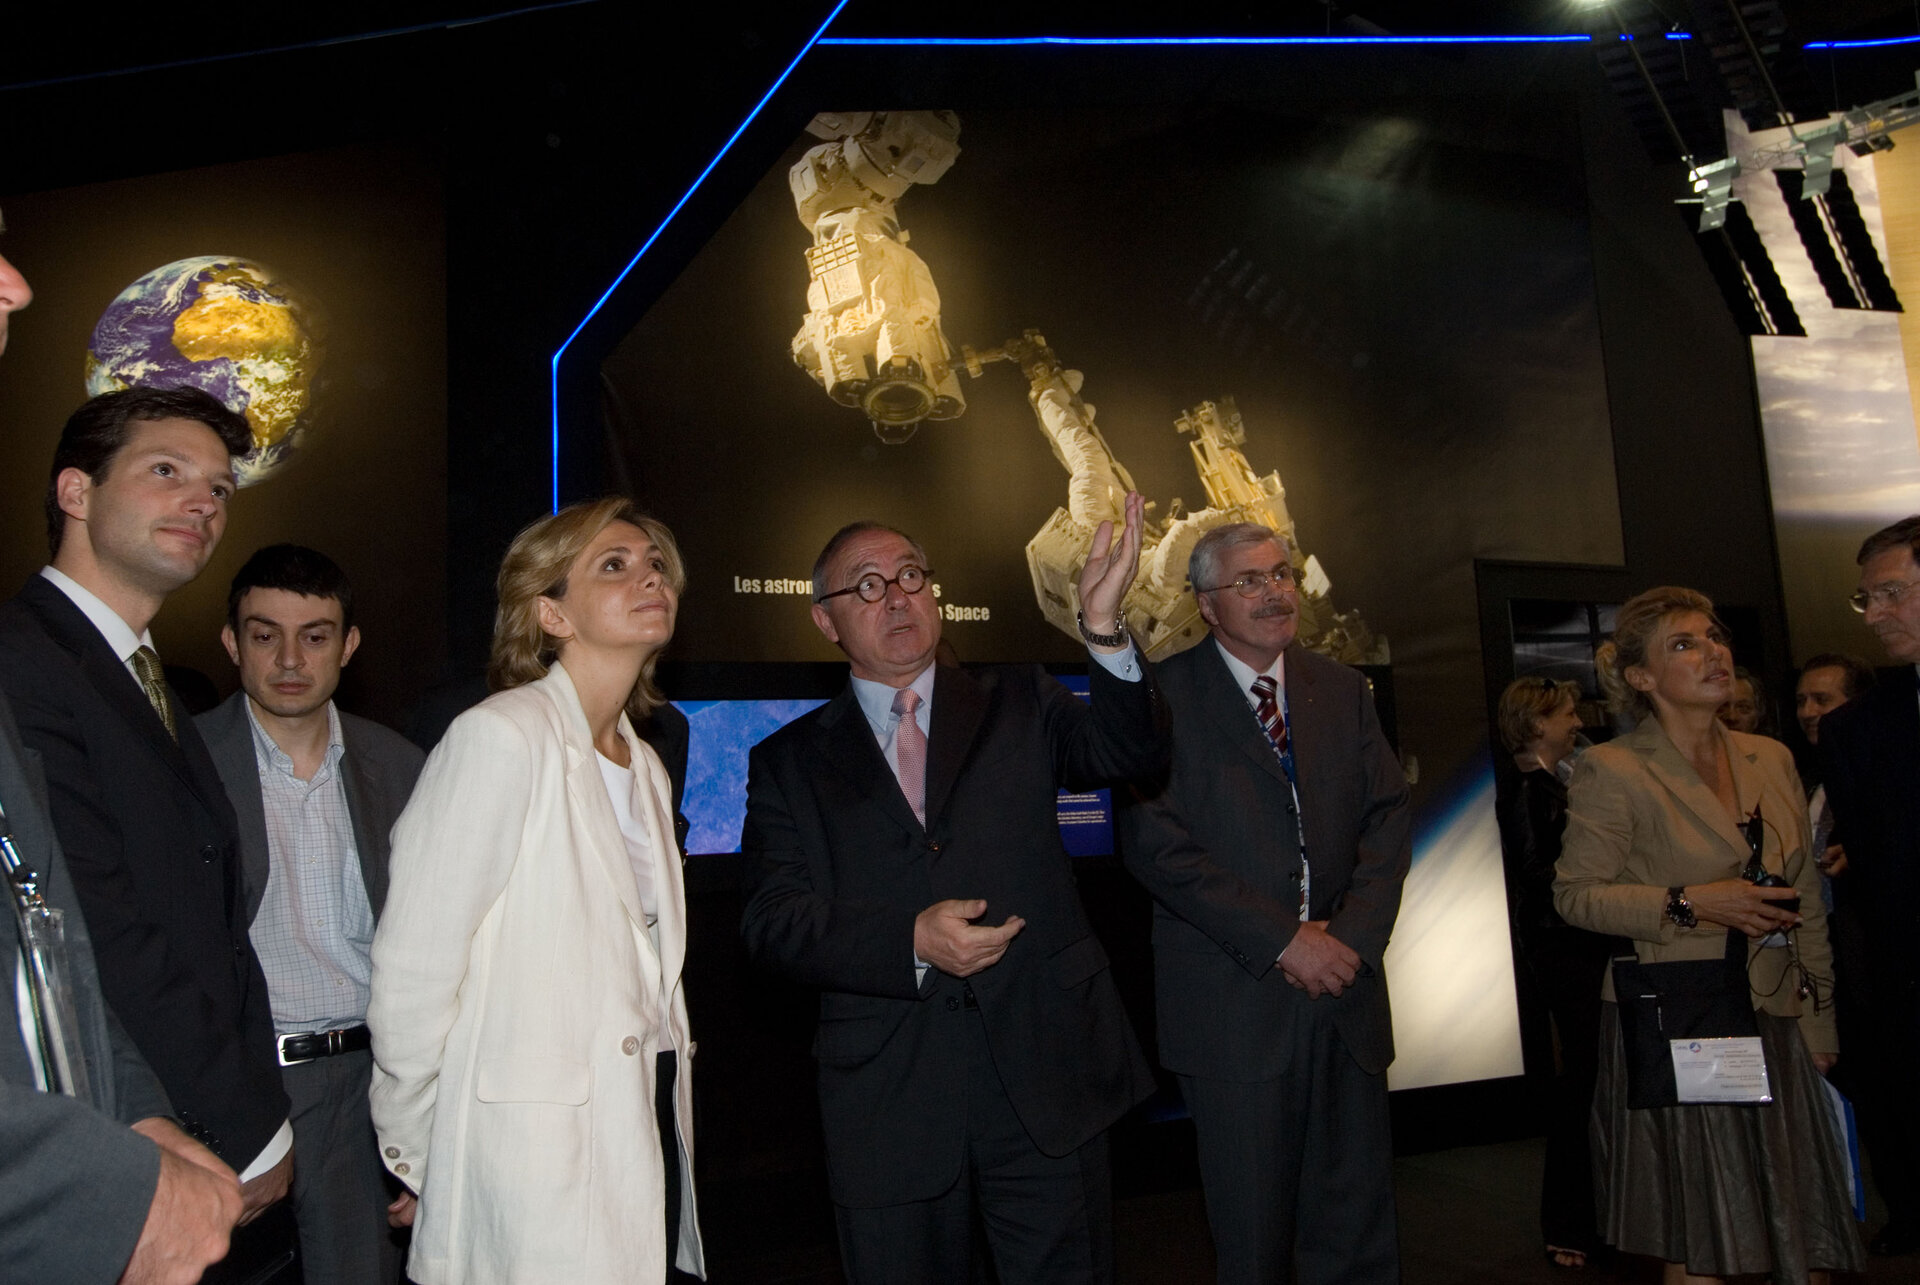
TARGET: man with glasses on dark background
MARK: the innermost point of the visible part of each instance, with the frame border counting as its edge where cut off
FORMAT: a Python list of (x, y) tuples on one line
[(903, 856), (1870, 760)]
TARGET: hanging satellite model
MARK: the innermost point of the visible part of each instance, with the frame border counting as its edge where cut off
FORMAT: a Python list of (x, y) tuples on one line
[(872, 340)]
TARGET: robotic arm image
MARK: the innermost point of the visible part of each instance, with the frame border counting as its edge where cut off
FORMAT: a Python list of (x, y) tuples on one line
[(872, 339), (872, 335)]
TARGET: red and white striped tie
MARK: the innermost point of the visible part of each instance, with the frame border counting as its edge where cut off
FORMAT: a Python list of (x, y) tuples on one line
[(1266, 695)]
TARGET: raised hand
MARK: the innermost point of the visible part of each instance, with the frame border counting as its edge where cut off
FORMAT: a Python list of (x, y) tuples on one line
[(1111, 566)]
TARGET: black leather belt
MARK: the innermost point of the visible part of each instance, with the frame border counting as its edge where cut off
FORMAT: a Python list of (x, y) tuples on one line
[(295, 1049)]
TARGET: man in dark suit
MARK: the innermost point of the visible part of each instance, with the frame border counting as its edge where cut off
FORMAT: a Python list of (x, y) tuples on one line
[(136, 501), (964, 1064), (1275, 850), (316, 791), (1870, 759), (82, 1199)]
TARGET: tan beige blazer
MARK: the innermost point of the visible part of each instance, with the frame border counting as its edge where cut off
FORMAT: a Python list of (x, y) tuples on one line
[(1640, 820), (519, 1002)]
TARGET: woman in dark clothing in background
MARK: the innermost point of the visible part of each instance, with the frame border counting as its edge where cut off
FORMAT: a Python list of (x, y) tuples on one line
[(1558, 966)]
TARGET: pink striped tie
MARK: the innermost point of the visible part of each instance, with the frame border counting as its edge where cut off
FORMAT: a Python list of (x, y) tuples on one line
[(910, 745)]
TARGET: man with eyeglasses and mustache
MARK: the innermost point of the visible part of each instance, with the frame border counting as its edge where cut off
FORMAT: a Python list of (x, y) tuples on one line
[(1275, 851), (1870, 760)]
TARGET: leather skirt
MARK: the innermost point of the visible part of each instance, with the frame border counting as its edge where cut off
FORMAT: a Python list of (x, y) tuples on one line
[(1726, 1189)]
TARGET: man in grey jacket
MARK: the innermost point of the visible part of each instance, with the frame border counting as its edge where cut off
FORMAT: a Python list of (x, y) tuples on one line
[(316, 791)]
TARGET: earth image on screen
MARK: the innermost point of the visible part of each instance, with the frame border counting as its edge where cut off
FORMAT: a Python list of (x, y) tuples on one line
[(225, 325)]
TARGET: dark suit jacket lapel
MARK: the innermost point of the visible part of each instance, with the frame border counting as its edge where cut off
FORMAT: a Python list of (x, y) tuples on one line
[(69, 627), (847, 744), (230, 742), (959, 705), (1310, 731), (1226, 708), (369, 840)]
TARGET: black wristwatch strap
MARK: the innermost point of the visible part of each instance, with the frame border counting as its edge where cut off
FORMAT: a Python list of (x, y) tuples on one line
[(1114, 639)]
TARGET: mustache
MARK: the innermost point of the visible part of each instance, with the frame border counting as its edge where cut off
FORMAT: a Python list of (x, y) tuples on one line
[(1272, 610)]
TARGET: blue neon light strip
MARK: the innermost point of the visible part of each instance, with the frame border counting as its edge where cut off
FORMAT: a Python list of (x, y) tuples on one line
[(1000, 42), (1862, 44), (634, 262)]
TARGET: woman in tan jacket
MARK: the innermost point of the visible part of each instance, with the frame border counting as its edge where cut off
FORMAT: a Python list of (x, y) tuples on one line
[(1653, 852)]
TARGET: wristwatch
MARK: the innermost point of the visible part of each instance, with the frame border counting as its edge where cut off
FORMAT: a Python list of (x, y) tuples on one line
[(1680, 910), (1114, 639)]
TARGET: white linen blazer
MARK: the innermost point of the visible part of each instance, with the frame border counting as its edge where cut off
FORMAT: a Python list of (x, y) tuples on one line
[(519, 1002)]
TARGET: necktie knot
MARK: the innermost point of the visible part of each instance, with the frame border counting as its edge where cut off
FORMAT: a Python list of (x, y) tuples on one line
[(905, 702), (153, 681)]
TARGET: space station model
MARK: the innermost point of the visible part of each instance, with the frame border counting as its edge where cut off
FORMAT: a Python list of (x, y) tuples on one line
[(872, 340), (872, 334)]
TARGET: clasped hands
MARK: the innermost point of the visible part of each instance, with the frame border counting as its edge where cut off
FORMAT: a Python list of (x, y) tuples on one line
[(1317, 962)]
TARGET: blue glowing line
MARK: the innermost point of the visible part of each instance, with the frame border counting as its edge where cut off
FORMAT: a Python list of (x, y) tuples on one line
[(1861, 44), (601, 302), (1679, 35), (846, 42)]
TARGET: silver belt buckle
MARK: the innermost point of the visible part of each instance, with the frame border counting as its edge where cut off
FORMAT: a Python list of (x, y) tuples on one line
[(280, 1048)]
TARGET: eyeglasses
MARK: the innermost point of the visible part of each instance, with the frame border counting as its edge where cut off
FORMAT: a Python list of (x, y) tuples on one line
[(1886, 595), (873, 586), (1255, 583)]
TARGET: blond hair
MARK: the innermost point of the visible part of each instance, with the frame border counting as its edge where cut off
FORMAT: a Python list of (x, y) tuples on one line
[(1639, 619), (536, 567), (1526, 703)]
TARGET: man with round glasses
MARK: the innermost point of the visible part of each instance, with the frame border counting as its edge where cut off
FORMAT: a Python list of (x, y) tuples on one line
[(903, 857), (1870, 761), (1275, 850)]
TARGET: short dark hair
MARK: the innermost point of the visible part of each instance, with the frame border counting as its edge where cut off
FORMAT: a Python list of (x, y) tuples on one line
[(95, 433), (1904, 534), (1859, 674), (296, 569), (839, 540)]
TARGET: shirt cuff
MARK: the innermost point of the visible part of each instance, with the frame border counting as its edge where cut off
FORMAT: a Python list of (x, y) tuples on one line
[(1124, 665), (272, 1154)]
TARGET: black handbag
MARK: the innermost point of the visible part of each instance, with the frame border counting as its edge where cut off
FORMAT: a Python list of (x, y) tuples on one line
[(1679, 999)]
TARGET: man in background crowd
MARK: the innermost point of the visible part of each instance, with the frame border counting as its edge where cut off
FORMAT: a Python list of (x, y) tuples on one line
[(1870, 764), (136, 502), (98, 1186), (1275, 851), (316, 791)]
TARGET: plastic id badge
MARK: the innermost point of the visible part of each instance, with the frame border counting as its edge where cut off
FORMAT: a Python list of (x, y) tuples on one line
[(1728, 1069)]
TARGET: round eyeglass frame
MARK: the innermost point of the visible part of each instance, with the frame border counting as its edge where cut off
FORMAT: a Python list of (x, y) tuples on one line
[(872, 587)]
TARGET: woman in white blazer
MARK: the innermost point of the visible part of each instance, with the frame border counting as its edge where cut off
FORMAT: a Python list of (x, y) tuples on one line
[(531, 1055)]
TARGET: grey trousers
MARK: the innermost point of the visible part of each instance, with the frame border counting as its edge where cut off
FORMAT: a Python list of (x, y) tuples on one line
[(340, 1191)]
